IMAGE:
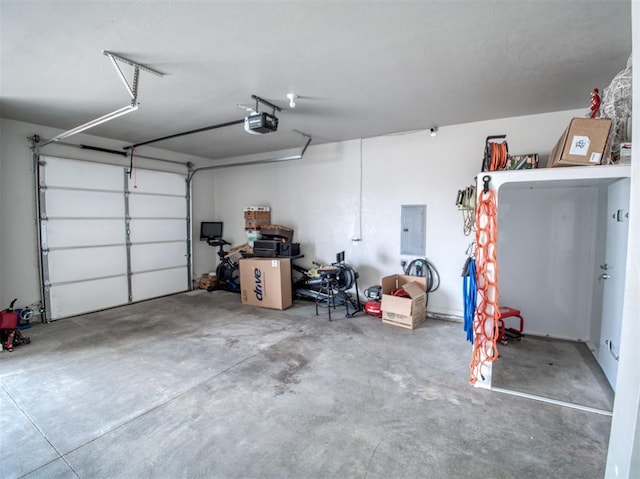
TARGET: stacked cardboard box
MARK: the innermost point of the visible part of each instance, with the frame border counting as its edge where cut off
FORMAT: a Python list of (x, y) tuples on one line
[(277, 232), (256, 216)]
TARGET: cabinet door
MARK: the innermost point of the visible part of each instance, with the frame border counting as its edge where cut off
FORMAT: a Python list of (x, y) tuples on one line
[(612, 277)]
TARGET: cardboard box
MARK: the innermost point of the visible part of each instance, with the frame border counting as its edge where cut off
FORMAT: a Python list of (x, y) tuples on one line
[(208, 281), (266, 282), (234, 254), (404, 312), (256, 216), (277, 231), (582, 143), (257, 213), (256, 225)]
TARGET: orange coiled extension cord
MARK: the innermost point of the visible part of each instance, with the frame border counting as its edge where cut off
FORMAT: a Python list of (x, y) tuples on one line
[(498, 158), (485, 326)]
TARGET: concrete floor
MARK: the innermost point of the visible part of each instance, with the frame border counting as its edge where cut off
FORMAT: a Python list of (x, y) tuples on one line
[(197, 385), (555, 369)]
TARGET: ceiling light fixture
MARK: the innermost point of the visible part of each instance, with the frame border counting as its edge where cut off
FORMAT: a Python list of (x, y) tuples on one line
[(292, 99)]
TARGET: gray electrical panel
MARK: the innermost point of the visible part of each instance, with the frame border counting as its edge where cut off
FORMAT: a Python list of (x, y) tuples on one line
[(413, 232)]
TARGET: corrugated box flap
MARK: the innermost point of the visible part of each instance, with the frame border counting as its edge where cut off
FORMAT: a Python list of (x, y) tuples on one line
[(415, 289), (396, 304)]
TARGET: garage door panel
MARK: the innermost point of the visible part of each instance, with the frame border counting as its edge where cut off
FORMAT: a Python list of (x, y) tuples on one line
[(147, 230), (157, 182), (158, 255), (78, 298), (148, 206), (61, 172), (84, 204), (158, 283), (79, 264), (84, 232)]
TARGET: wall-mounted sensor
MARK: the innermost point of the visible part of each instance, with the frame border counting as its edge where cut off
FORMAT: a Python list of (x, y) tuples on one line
[(433, 130)]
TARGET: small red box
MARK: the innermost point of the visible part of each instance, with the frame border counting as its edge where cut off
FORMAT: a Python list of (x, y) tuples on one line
[(9, 319)]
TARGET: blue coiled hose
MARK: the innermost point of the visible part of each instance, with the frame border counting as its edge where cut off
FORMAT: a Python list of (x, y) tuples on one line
[(469, 292)]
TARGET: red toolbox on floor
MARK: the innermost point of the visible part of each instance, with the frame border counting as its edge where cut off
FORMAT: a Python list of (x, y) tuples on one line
[(10, 335), (9, 319)]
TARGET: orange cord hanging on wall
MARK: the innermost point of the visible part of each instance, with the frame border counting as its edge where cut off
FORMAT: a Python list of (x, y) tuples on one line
[(486, 330)]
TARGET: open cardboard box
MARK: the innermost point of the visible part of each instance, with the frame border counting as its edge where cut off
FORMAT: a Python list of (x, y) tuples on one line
[(582, 143), (404, 312)]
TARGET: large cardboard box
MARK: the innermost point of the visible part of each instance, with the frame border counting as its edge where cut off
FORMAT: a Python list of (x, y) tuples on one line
[(266, 282), (582, 143), (404, 312)]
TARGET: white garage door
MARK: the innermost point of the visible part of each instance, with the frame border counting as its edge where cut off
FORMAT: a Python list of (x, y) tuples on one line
[(158, 234), (108, 240)]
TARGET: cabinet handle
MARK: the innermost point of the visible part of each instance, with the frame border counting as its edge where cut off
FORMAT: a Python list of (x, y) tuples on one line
[(610, 345)]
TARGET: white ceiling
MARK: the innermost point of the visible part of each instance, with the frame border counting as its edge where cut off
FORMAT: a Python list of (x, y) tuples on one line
[(361, 68)]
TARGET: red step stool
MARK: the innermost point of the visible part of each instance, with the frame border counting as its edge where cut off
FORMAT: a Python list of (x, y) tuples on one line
[(513, 333)]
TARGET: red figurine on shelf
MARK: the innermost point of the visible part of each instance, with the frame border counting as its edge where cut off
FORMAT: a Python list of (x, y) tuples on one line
[(594, 109)]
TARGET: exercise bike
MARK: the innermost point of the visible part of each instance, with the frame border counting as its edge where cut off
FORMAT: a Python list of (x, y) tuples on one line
[(227, 272)]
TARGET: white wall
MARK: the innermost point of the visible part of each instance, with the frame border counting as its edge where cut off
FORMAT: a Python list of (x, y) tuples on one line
[(19, 276), (624, 443), (318, 196)]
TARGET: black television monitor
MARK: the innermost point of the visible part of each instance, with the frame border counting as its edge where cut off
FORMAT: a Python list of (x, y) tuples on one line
[(210, 230)]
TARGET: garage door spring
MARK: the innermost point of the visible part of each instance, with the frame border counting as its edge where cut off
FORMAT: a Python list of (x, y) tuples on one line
[(486, 329)]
